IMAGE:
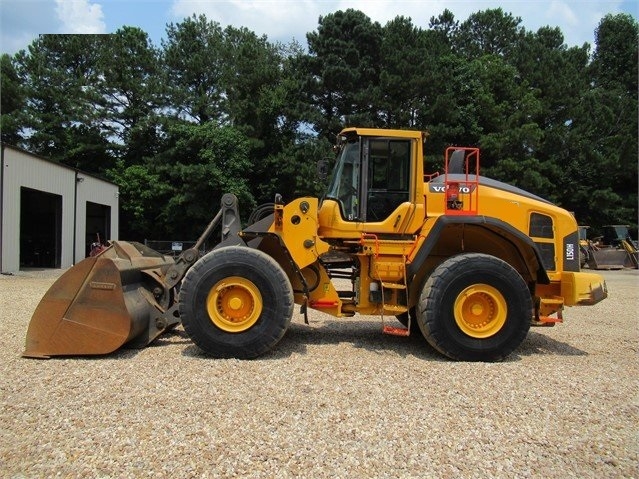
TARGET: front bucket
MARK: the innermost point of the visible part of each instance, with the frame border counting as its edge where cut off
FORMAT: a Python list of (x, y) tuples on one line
[(608, 258), (102, 303)]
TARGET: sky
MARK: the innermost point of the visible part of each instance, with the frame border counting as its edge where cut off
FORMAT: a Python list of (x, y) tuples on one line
[(21, 21)]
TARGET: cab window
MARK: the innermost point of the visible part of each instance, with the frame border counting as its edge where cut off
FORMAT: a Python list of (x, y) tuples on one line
[(388, 177)]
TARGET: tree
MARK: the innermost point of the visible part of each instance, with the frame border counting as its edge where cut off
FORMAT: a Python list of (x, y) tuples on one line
[(201, 163), (404, 73), (556, 76), (12, 102), (177, 192), (194, 61), (294, 170), (556, 73), (602, 143), (59, 74), (290, 95), (128, 93), (615, 58), (445, 26), (343, 68), (142, 193), (506, 108), (488, 32), (446, 111), (251, 74), (596, 186)]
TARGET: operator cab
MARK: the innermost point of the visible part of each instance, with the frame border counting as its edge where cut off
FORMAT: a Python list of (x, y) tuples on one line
[(371, 178), (376, 185)]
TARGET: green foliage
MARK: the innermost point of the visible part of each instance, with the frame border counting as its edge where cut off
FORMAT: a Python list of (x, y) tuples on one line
[(604, 127), (252, 73), (58, 77), (193, 61), (141, 193), (615, 60), (404, 79), (488, 32), (12, 101), (183, 185), (128, 93), (203, 162), (294, 170), (343, 71)]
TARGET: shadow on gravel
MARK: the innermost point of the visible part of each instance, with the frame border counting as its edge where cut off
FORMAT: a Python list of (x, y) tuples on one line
[(368, 336), (365, 335), (174, 336), (540, 344), (122, 353), (170, 338), (360, 334)]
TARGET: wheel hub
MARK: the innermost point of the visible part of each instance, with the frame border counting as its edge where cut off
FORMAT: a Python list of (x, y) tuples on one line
[(480, 311), (234, 304)]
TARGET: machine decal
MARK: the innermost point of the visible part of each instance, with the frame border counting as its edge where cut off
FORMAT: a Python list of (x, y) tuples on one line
[(442, 188)]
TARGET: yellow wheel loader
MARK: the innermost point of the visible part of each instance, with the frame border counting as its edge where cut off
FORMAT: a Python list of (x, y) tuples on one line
[(466, 261)]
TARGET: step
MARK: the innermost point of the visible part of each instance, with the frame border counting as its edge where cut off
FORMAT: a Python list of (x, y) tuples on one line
[(393, 331), (549, 320), (394, 310), (393, 286), (557, 302), (553, 300)]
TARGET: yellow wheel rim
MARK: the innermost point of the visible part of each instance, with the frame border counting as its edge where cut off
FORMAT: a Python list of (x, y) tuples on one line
[(480, 311), (234, 304)]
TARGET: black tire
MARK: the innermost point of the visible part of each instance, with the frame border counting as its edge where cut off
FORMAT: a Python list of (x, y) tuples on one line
[(236, 302), (475, 307), (403, 318)]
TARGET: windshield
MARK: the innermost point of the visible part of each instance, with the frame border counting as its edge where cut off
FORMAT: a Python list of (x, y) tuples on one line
[(344, 186)]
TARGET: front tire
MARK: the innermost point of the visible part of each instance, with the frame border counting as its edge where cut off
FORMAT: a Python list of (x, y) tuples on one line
[(475, 307), (236, 302)]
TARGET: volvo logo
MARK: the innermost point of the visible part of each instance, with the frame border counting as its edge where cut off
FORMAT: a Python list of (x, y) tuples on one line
[(442, 188)]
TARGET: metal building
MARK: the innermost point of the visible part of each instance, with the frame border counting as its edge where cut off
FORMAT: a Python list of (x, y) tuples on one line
[(50, 213)]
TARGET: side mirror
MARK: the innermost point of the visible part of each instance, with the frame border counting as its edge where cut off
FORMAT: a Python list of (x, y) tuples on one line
[(322, 169)]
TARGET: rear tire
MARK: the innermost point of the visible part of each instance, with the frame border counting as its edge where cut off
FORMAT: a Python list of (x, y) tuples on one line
[(403, 318), (475, 307), (236, 302)]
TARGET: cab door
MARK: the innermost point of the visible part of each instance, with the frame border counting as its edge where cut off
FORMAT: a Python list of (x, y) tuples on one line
[(385, 186)]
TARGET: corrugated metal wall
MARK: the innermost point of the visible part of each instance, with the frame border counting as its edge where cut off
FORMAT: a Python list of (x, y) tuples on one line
[(96, 191), (21, 169)]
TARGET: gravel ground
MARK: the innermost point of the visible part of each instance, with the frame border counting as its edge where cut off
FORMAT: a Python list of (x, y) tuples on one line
[(335, 399)]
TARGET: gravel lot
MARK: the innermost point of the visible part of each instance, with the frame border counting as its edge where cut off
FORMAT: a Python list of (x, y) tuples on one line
[(335, 399)]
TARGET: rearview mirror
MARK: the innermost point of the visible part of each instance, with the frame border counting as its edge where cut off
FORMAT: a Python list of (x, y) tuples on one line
[(322, 169)]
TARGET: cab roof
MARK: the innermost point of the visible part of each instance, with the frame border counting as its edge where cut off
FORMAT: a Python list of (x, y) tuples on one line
[(387, 133)]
